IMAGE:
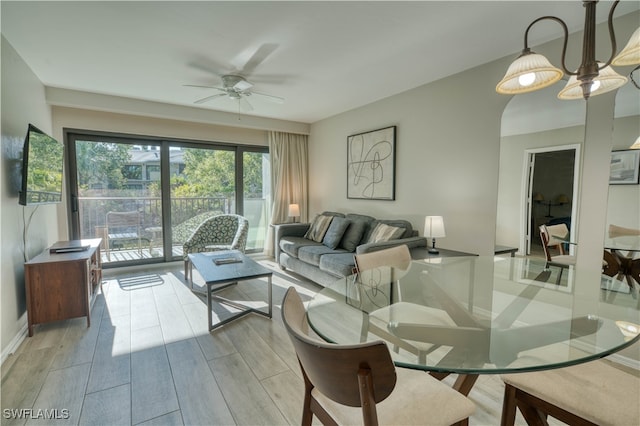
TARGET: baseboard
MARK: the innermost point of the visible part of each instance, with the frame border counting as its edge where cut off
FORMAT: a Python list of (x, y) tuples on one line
[(15, 343), (623, 360)]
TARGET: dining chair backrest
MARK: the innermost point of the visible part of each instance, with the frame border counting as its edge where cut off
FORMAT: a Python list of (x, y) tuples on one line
[(396, 257), (555, 234), (347, 374), (619, 231), (382, 268), (544, 238)]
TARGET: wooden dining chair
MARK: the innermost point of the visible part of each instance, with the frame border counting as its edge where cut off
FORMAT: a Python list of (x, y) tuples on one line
[(619, 231), (388, 266), (359, 384), (593, 393), (561, 260), (397, 257)]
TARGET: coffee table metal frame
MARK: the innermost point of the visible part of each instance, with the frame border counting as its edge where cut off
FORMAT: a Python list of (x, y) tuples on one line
[(226, 275)]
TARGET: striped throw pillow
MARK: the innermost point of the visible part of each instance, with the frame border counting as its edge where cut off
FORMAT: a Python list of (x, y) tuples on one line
[(384, 232), (318, 228)]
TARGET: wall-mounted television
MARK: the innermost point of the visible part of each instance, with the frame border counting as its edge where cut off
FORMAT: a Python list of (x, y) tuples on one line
[(42, 167)]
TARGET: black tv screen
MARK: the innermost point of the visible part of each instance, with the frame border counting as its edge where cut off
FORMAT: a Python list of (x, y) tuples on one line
[(42, 167)]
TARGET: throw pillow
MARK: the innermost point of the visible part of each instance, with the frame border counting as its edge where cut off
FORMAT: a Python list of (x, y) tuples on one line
[(384, 232), (353, 235), (318, 228), (335, 232)]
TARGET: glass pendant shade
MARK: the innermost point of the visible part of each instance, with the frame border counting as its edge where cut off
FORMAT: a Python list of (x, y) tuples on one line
[(529, 72), (630, 55), (606, 81)]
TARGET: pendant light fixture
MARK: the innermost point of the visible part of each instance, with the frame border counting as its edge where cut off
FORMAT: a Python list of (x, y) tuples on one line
[(532, 71)]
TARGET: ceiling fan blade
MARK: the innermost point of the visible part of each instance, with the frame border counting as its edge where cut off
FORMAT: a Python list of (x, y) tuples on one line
[(204, 87), (208, 98), (276, 99), (258, 57), (208, 65), (245, 105)]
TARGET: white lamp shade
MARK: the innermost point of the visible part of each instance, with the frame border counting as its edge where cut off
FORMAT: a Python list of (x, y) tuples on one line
[(636, 144), (608, 78), (630, 55), (434, 227), (532, 67), (294, 210)]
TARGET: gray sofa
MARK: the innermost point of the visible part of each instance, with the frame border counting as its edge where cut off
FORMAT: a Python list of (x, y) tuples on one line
[(324, 263)]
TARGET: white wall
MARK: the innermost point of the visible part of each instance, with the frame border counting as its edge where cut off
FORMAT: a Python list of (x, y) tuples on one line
[(23, 102), (448, 135)]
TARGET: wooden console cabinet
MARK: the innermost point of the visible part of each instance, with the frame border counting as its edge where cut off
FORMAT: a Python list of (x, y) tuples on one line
[(62, 281)]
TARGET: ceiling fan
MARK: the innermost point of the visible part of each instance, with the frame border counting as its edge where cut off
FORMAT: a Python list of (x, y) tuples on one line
[(236, 87)]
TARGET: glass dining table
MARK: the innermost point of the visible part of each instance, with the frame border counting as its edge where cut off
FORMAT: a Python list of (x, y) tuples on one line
[(477, 315)]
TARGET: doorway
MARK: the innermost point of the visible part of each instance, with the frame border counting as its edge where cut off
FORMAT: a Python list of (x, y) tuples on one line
[(551, 193)]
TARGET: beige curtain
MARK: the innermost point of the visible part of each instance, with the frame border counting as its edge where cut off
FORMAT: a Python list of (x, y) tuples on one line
[(289, 169)]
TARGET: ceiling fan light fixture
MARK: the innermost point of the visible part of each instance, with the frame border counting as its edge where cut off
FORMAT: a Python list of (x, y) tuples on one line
[(242, 85), (529, 72), (606, 81), (630, 55)]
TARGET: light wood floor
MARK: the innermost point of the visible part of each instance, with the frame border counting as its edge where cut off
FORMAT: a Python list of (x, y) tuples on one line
[(148, 358)]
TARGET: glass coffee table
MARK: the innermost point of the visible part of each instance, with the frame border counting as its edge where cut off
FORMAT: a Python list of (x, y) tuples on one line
[(477, 315), (222, 269)]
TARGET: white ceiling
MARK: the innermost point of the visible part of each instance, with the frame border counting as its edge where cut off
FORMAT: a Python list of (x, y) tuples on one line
[(322, 57)]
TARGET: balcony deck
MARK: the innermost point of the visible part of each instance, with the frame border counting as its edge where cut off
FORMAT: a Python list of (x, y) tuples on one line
[(133, 254)]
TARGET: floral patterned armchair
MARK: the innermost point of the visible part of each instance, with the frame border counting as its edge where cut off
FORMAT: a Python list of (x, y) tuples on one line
[(184, 230), (222, 232)]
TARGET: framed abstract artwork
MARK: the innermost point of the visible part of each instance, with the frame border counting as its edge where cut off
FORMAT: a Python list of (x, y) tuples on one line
[(371, 165), (625, 167)]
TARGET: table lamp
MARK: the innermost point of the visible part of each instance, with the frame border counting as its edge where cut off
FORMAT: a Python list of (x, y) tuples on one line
[(294, 211), (434, 228)]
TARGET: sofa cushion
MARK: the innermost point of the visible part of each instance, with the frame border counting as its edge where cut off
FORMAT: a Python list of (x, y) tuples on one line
[(354, 235), (340, 264), (398, 223), (384, 232), (291, 245), (335, 232), (334, 214), (312, 254), (318, 228)]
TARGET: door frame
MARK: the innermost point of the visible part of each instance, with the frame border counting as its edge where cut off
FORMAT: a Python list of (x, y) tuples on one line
[(526, 206)]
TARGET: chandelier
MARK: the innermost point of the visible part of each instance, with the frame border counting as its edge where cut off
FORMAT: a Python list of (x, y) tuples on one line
[(532, 71)]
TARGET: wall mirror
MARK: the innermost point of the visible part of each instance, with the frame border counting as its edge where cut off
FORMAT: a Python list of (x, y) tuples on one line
[(622, 226), (540, 143), (623, 207)]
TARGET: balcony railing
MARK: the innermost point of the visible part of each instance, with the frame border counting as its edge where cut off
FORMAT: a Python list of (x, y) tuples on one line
[(93, 212)]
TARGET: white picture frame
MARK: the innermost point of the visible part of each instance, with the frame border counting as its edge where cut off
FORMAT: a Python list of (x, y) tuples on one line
[(625, 167)]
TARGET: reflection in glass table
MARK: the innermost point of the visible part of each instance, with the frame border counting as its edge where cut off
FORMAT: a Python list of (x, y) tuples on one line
[(622, 257), (476, 315)]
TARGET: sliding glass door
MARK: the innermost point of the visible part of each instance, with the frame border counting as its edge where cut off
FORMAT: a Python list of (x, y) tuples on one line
[(145, 197)]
